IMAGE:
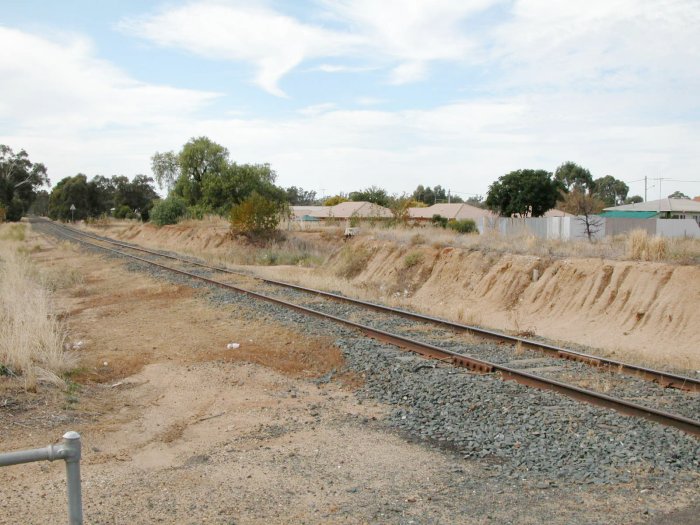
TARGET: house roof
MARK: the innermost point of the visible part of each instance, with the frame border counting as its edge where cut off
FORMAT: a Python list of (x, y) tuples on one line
[(458, 210), (300, 211), (557, 213), (344, 210), (623, 214), (661, 205)]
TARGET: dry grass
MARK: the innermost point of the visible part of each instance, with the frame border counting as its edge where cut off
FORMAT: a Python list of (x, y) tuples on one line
[(642, 247), (636, 245), (31, 337)]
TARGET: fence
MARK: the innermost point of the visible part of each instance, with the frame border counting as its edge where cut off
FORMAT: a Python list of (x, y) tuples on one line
[(69, 451), (573, 228)]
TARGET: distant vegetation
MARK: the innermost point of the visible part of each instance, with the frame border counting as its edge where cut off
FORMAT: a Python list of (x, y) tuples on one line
[(119, 196), (20, 180)]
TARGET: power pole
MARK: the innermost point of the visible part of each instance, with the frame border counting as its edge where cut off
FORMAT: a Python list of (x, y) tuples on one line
[(645, 188)]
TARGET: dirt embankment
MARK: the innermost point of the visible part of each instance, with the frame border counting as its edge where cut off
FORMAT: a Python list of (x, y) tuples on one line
[(640, 311), (647, 308)]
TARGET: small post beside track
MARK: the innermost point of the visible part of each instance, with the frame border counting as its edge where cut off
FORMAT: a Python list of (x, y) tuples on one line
[(69, 451)]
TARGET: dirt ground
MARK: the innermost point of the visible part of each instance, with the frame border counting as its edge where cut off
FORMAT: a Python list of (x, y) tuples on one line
[(177, 428)]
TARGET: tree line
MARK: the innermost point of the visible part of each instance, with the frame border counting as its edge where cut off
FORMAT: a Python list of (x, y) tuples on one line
[(202, 178)]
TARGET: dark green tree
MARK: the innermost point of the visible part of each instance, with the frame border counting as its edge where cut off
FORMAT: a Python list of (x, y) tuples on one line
[(610, 190), (572, 176), (523, 193), (634, 199), (235, 183), (373, 194), (300, 197), (199, 158), (678, 195), (71, 191), (20, 179)]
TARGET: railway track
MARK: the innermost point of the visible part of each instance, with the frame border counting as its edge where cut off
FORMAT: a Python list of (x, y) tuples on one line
[(539, 377)]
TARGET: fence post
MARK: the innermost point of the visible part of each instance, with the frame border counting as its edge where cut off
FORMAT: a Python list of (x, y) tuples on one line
[(71, 443), (69, 451)]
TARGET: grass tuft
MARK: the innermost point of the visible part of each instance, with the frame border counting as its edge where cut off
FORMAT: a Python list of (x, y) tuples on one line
[(31, 337)]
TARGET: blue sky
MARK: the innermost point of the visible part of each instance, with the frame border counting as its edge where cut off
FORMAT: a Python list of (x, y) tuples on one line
[(338, 95)]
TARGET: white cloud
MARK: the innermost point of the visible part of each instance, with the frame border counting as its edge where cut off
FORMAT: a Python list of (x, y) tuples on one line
[(59, 83), (403, 36), (273, 42)]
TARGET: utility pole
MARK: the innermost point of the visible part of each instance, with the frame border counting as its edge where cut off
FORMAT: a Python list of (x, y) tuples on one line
[(645, 188)]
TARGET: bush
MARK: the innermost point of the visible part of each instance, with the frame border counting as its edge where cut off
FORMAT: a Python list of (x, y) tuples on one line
[(255, 217), (122, 212), (439, 220), (168, 211), (462, 226), (412, 259)]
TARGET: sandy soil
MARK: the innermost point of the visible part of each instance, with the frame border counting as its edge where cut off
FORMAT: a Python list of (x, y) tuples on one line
[(179, 429), (646, 313)]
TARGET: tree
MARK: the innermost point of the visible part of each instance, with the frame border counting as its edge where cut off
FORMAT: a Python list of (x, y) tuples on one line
[(197, 159), (476, 201), (235, 183), (20, 180), (71, 191), (373, 194), (100, 195), (336, 199), (166, 169), (523, 193), (585, 206), (611, 191), (572, 176), (678, 195), (168, 211), (634, 199), (300, 197)]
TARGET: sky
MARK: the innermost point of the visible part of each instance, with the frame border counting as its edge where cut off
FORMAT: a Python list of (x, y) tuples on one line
[(339, 95)]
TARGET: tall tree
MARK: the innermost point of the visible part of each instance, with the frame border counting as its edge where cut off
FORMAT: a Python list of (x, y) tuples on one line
[(572, 176), (198, 158), (523, 193), (166, 169), (20, 180), (610, 190)]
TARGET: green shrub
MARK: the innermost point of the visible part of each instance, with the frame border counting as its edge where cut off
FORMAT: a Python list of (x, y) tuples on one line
[(168, 211), (256, 216), (123, 212), (439, 220), (412, 259), (462, 226)]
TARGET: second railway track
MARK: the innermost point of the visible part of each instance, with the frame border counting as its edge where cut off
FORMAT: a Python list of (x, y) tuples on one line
[(624, 387)]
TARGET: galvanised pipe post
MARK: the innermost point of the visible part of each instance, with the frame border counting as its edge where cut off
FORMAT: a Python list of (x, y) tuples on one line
[(69, 451), (71, 446)]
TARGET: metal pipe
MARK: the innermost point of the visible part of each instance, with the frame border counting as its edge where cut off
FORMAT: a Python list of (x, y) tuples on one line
[(71, 444), (69, 451)]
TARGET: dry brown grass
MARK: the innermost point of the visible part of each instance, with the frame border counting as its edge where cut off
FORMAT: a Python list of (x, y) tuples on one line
[(31, 336), (636, 245)]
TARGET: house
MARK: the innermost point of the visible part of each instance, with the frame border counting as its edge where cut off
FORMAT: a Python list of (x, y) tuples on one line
[(660, 209), (456, 211), (342, 211)]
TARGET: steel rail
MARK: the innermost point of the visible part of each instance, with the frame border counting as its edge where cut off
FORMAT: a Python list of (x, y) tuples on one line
[(665, 379), (478, 365)]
